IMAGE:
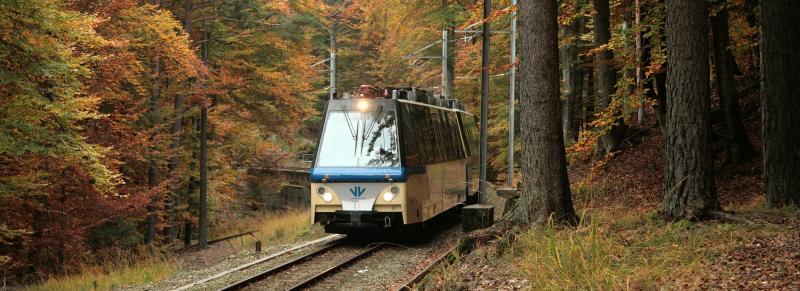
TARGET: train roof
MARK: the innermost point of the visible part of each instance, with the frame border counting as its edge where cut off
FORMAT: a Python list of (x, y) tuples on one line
[(408, 95)]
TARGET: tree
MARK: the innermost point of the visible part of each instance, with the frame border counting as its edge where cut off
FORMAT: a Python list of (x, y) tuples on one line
[(738, 146), (572, 71), (545, 184), (689, 191), (606, 77), (780, 81)]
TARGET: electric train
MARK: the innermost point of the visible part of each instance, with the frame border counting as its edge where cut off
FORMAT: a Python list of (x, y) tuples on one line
[(392, 157)]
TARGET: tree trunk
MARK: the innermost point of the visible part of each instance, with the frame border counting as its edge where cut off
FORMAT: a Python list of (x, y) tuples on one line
[(588, 97), (202, 230), (203, 221), (545, 184), (652, 39), (152, 167), (739, 148), (174, 199), (572, 77), (780, 85), (606, 77), (689, 191)]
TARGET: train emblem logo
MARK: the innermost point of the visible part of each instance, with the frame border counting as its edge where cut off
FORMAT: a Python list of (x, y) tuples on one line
[(357, 191)]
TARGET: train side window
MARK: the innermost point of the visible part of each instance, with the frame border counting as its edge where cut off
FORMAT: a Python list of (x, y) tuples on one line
[(410, 151), (469, 130), (422, 130), (455, 143), (438, 125), (452, 154)]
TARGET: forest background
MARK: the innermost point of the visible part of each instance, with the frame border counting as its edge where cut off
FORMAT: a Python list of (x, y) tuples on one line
[(102, 102)]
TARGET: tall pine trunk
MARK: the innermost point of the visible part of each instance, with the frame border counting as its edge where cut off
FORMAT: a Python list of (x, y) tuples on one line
[(605, 75), (738, 146), (780, 85), (689, 191), (545, 184)]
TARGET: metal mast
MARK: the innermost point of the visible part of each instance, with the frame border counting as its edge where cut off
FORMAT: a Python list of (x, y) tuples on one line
[(445, 73), (511, 95), (333, 59), (484, 100)]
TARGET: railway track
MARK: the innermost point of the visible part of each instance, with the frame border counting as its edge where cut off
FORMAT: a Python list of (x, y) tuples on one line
[(290, 275), (445, 258)]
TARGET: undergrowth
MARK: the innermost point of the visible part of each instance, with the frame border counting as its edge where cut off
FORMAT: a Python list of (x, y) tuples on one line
[(114, 273), (272, 229), (610, 250)]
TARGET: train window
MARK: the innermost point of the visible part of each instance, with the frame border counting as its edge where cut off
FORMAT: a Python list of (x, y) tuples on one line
[(469, 133), (448, 136), (359, 139), (423, 132), (436, 116), (411, 152), (458, 149)]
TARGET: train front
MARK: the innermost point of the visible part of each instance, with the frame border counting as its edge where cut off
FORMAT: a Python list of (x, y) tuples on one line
[(357, 176)]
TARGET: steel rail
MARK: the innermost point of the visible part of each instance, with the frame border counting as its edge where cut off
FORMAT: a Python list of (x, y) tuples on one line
[(329, 238), (257, 277), (449, 257), (307, 282)]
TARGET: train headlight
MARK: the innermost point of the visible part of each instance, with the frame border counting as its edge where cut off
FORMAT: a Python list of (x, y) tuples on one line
[(327, 196), (389, 195)]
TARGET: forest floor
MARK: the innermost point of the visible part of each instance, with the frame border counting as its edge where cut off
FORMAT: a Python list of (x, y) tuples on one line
[(621, 242)]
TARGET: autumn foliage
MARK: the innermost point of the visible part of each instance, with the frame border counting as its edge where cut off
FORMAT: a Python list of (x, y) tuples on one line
[(90, 95)]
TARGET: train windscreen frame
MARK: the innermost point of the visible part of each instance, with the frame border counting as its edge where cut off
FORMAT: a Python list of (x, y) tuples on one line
[(359, 138)]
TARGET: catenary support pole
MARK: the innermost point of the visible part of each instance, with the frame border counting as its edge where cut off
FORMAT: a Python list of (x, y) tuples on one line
[(334, 49), (511, 95), (484, 100), (445, 76)]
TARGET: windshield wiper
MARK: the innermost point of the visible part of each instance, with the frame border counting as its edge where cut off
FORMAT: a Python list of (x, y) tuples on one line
[(353, 131), (375, 120)]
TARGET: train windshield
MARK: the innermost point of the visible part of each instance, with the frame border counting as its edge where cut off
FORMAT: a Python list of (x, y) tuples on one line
[(353, 138)]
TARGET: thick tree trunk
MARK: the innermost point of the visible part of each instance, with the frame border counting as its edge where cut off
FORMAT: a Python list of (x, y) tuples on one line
[(605, 75), (780, 85), (738, 146), (545, 184), (689, 191)]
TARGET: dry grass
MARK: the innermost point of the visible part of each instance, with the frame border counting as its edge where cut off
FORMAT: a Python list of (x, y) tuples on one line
[(616, 249), (123, 270), (613, 251), (272, 229)]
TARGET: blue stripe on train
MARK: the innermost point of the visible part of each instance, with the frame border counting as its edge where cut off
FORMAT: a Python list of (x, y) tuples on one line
[(358, 174)]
